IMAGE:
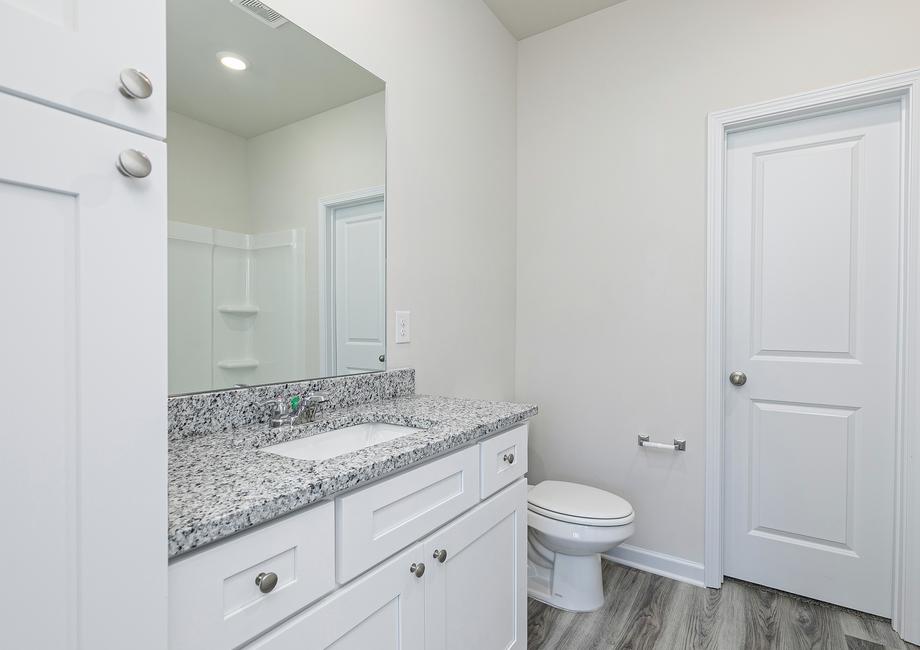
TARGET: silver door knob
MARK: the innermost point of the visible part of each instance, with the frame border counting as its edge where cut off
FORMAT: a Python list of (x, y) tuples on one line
[(417, 569), (134, 164), (508, 458), (440, 555), (382, 358), (266, 581), (134, 84), (737, 378)]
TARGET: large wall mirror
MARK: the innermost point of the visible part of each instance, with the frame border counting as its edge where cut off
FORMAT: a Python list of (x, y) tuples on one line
[(277, 234)]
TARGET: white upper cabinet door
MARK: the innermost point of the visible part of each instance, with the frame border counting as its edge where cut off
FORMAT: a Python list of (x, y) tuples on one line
[(813, 208), (384, 610), (476, 591), (83, 387), (71, 53)]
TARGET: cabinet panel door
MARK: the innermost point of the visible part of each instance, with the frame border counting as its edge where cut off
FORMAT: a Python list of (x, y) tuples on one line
[(384, 610), (83, 387), (477, 597), (70, 53)]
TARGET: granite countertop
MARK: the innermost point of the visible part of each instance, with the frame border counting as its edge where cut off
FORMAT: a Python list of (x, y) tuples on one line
[(221, 484)]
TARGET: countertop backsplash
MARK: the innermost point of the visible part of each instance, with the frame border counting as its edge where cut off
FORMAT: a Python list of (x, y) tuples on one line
[(217, 411)]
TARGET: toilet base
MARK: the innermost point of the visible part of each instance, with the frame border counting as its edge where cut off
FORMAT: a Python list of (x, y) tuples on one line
[(573, 583)]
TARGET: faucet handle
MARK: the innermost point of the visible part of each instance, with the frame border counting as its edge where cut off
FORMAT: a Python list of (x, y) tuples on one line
[(317, 398), (279, 406)]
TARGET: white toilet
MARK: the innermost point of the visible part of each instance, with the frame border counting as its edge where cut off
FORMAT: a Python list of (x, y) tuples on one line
[(569, 526)]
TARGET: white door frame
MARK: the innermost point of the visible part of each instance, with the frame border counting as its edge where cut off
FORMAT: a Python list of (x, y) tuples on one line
[(327, 207), (903, 87)]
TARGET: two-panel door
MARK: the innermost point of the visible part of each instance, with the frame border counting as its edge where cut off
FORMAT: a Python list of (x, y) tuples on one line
[(71, 53), (476, 589), (359, 287), (813, 208), (384, 610), (83, 446)]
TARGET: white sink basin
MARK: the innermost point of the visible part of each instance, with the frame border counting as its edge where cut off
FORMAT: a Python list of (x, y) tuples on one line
[(341, 441)]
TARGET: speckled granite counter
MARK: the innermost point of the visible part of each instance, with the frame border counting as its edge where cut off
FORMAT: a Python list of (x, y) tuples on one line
[(220, 483)]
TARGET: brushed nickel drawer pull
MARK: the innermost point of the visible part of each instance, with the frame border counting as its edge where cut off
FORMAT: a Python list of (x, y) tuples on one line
[(266, 581)]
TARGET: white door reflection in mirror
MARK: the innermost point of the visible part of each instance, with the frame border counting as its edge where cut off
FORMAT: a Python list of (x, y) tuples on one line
[(355, 291)]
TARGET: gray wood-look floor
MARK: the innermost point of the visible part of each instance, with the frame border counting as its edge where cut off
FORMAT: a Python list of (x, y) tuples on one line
[(643, 611)]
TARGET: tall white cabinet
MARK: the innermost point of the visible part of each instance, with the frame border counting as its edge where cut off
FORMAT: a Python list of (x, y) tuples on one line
[(83, 450)]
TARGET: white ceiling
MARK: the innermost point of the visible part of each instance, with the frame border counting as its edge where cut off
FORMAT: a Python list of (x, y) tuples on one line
[(291, 74), (525, 18)]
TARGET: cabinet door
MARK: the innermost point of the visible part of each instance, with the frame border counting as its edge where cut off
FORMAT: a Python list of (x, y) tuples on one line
[(384, 610), (83, 387), (477, 597), (70, 53)]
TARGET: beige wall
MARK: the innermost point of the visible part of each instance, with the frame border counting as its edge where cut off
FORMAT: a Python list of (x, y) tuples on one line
[(611, 224), (450, 72), (291, 168), (206, 175)]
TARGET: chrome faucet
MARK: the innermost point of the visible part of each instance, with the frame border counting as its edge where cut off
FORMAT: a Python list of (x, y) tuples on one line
[(280, 413), (295, 411)]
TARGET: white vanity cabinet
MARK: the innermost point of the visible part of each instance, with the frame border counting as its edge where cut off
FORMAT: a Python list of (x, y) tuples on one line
[(71, 53), (449, 571), (475, 598)]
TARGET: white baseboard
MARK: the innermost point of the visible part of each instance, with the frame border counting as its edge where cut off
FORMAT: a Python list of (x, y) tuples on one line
[(669, 566)]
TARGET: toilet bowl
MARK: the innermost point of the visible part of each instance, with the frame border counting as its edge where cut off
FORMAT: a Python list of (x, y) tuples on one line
[(569, 526)]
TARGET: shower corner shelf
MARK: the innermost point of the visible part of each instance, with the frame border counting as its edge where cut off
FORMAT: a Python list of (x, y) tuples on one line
[(239, 310), (238, 364)]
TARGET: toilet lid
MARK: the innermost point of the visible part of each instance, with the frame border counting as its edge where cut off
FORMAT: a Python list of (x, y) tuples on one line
[(578, 500)]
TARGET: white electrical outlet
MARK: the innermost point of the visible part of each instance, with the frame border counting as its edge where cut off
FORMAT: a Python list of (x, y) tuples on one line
[(403, 326)]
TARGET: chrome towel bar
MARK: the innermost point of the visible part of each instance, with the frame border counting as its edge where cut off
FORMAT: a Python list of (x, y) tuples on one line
[(677, 445)]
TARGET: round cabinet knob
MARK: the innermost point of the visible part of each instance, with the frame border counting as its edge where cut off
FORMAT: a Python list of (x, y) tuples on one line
[(266, 581), (440, 555), (737, 378), (135, 84), (417, 569), (508, 458), (134, 164), (382, 358)]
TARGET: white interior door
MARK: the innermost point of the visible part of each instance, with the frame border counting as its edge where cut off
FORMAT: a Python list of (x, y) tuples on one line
[(83, 387), (359, 287), (812, 291), (71, 52)]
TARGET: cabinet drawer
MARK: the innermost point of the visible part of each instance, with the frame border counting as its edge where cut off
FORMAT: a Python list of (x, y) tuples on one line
[(214, 601), (373, 523), (504, 459)]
